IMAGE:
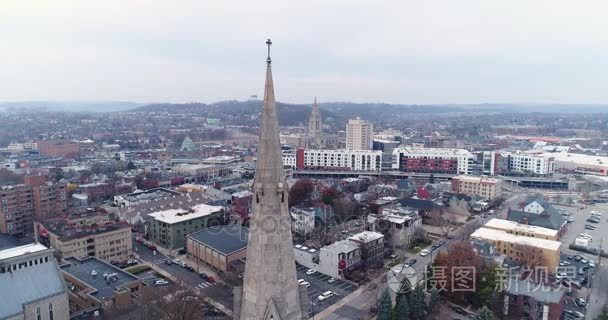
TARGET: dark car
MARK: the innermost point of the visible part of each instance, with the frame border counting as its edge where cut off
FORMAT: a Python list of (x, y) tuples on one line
[(181, 251), (593, 220), (203, 275), (210, 279), (189, 268), (411, 262)]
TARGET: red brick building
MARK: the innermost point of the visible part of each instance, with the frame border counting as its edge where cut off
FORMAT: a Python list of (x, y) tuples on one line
[(54, 148)]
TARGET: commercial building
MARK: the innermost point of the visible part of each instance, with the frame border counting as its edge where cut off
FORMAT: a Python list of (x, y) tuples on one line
[(486, 188), (87, 234), (433, 160), (359, 134), (331, 260), (56, 148), (580, 163), (31, 285), (525, 230), (518, 246), (218, 246), (143, 196), (168, 228), (96, 283), (357, 160), (371, 244)]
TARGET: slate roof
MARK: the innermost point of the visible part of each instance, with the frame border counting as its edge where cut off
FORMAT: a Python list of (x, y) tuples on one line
[(27, 285), (550, 218), (530, 289), (225, 239)]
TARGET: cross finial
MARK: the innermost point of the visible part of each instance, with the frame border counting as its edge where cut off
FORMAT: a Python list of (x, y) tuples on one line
[(268, 43)]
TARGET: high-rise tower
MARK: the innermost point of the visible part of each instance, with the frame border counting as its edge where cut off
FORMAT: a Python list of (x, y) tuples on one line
[(270, 288), (315, 126)]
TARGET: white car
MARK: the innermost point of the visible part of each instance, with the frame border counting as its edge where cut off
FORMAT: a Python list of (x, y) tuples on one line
[(161, 282), (591, 264), (586, 236), (564, 263), (311, 271), (425, 252), (93, 273), (305, 283), (325, 295), (596, 214), (570, 219), (331, 280), (301, 280), (561, 275), (179, 263), (491, 212)]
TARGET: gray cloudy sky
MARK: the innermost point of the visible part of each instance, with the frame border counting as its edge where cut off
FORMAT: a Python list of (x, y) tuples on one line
[(402, 51)]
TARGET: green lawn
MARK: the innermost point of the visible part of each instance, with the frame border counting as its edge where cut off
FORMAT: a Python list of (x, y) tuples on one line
[(140, 268)]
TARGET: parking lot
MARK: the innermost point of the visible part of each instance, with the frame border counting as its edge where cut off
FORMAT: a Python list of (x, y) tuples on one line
[(580, 220), (318, 284)]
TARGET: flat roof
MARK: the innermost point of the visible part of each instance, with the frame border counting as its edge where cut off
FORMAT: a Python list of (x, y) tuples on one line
[(478, 179), (21, 250), (172, 216), (81, 270), (515, 226), (499, 235), (224, 239), (585, 159)]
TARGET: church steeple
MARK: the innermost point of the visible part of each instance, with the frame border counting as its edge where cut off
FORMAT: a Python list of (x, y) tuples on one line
[(270, 288)]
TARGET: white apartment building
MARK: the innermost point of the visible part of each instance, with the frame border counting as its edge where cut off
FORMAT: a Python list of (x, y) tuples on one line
[(359, 134), (531, 163), (359, 160), (432, 160)]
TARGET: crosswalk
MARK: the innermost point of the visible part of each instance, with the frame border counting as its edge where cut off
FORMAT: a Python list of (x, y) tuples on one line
[(204, 285)]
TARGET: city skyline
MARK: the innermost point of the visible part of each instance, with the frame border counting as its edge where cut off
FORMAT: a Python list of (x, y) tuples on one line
[(409, 53)]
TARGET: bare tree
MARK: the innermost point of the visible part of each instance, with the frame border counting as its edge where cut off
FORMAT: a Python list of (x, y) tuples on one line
[(441, 218), (179, 304), (530, 256)]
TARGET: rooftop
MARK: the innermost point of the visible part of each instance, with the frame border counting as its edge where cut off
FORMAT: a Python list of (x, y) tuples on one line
[(62, 229), (148, 195), (172, 216), (225, 239), (434, 151), (81, 270), (8, 241), (586, 159), (476, 179), (366, 236), (502, 224), (342, 246), (28, 285), (21, 250), (499, 235)]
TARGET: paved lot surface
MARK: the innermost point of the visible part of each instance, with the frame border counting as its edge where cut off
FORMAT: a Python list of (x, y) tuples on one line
[(318, 284), (218, 291), (597, 296)]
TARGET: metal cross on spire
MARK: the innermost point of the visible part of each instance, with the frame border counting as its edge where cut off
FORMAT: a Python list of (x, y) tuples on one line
[(268, 43)]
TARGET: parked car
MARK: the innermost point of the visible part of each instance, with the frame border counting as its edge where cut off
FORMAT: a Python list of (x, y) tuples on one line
[(305, 283), (181, 251), (325, 295), (564, 263), (570, 219), (203, 275), (311, 271), (189, 268), (161, 282), (179, 263), (168, 262), (332, 280), (580, 302), (593, 220), (589, 227), (132, 262), (410, 262), (425, 252), (210, 279)]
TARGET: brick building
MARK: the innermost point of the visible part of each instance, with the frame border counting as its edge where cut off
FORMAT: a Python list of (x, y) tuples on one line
[(56, 148)]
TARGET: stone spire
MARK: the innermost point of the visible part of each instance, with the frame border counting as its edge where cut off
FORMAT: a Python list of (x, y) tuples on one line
[(315, 126), (270, 288)]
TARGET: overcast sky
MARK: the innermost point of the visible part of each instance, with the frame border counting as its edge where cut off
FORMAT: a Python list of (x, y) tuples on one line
[(402, 51)]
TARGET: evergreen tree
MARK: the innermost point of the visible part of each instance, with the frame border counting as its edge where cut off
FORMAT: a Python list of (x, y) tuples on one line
[(385, 306), (417, 304), (434, 300), (403, 310), (484, 314), (405, 291), (130, 165)]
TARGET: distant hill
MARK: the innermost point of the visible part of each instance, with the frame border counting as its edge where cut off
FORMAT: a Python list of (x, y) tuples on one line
[(70, 106)]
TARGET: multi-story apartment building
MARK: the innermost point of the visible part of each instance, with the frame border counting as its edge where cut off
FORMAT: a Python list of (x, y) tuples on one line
[(31, 285), (359, 134), (50, 200), (433, 160), (169, 228), (56, 148), (345, 160), (16, 210), (519, 247), (87, 234), (531, 163), (517, 162), (486, 188)]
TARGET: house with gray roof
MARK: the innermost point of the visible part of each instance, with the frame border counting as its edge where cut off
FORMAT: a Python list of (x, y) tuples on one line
[(541, 214)]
